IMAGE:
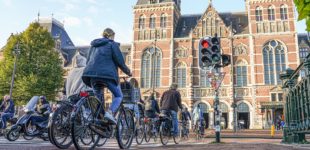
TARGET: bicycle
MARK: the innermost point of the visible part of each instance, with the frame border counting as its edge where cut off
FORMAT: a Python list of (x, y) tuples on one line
[(184, 129), (151, 129), (199, 130), (166, 129), (87, 114)]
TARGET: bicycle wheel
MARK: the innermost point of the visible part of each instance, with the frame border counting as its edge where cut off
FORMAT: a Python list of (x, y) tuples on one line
[(82, 136), (125, 128), (164, 133), (177, 138), (148, 132), (60, 128), (140, 131), (102, 141)]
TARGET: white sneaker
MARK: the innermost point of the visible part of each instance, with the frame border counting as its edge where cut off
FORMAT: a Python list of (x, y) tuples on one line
[(110, 118)]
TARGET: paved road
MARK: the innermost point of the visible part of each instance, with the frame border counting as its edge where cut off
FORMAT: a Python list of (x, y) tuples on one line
[(229, 144)]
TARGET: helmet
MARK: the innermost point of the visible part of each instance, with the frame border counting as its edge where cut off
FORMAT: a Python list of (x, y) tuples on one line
[(43, 97)]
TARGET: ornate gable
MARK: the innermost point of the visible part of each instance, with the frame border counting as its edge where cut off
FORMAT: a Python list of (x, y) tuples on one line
[(210, 23)]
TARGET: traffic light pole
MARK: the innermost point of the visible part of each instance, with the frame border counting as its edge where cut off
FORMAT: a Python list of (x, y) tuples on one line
[(217, 117)]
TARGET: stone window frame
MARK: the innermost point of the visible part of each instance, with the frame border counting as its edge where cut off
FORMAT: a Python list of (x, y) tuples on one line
[(271, 13), (259, 14), (163, 20), (152, 67), (284, 12), (271, 56), (181, 74), (152, 23), (142, 22), (243, 108), (241, 78)]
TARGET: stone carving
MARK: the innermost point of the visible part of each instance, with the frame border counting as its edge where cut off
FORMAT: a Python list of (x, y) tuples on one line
[(243, 92), (210, 92), (181, 52), (240, 49)]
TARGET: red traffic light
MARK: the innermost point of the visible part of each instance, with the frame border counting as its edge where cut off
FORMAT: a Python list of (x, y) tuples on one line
[(205, 44)]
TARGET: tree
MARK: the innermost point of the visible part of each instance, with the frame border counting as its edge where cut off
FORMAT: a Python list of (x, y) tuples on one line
[(39, 67), (303, 8)]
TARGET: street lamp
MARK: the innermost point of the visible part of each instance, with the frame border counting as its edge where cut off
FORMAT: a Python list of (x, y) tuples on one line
[(16, 52), (153, 54)]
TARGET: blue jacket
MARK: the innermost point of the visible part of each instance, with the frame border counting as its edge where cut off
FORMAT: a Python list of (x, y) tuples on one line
[(7, 107), (103, 61)]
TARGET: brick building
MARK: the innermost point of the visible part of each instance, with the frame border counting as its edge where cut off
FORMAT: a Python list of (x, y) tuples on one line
[(262, 39)]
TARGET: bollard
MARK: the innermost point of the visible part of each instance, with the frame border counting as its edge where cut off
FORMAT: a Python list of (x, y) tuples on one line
[(272, 131)]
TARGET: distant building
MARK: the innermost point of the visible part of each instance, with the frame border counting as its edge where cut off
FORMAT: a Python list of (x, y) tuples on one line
[(264, 43)]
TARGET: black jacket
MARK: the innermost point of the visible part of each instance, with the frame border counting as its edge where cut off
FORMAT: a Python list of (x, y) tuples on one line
[(103, 61), (171, 100)]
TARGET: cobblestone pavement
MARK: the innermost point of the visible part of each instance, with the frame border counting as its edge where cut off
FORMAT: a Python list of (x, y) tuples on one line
[(205, 144)]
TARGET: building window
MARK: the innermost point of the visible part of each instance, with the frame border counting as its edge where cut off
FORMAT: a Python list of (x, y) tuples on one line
[(303, 52), (280, 96), (151, 68), (204, 81), (274, 61), (181, 75), (271, 13), (243, 107), (241, 74), (259, 14), (283, 12), (273, 97), (142, 22), (152, 21), (163, 21)]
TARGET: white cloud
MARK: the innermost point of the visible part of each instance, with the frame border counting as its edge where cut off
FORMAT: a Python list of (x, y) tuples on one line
[(72, 21), (7, 3), (123, 34), (70, 7)]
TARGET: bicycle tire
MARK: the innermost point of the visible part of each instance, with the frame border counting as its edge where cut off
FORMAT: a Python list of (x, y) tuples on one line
[(164, 133), (148, 133), (125, 117), (140, 132)]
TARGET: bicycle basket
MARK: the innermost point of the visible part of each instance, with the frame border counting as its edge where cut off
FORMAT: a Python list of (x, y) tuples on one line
[(130, 94)]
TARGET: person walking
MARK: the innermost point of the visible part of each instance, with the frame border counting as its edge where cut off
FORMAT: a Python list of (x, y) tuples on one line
[(7, 110)]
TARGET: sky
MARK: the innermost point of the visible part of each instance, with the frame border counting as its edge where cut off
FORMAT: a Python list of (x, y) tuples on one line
[(85, 20)]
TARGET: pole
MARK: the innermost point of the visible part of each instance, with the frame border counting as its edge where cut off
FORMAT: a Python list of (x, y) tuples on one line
[(13, 77), (217, 118), (154, 67)]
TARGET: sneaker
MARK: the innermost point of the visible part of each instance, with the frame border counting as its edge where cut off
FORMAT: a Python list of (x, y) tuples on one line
[(109, 118)]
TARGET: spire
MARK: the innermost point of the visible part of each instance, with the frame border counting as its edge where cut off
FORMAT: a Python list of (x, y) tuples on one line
[(210, 2), (39, 16)]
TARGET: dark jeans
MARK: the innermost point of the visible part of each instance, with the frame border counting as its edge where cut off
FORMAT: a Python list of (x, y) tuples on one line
[(175, 122), (98, 85), (5, 117)]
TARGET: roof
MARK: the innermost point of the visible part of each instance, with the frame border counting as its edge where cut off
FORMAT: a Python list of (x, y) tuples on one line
[(143, 2), (303, 40), (188, 22), (58, 31)]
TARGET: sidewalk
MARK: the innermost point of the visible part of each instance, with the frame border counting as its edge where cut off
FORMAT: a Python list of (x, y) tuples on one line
[(264, 134)]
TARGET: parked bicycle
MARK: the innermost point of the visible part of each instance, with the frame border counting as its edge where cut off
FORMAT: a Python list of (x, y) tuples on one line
[(151, 129), (184, 129), (199, 129)]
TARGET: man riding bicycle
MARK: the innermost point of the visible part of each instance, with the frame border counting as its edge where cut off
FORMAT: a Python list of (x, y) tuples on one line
[(170, 102), (103, 61), (7, 110)]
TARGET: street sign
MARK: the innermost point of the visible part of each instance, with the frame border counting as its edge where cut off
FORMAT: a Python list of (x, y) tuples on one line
[(217, 128), (216, 79)]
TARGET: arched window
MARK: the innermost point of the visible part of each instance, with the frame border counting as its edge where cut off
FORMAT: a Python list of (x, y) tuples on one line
[(151, 68), (163, 21), (241, 73), (274, 61), (142, 22), (283, 12), (271, 13), (152, 21), (181, 75), (204, 108), (243, 108), (259, 14), (223, 107)]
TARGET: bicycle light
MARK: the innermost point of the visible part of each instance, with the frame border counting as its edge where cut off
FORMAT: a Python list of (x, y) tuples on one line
[(84, 94)]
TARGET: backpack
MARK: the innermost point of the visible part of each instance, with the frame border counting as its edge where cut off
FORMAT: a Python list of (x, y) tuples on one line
[(149, 105)]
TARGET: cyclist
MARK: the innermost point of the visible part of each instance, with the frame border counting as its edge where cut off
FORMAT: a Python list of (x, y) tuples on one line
[(170, 102), (198, 117), (6, 110), (151, 107), (103, 61), (74, 82)]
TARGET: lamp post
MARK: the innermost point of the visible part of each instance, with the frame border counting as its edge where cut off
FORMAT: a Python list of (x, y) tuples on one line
[(153, 54), (16, 52)]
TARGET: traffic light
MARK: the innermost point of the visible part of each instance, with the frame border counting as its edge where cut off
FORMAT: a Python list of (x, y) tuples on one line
[(226, 60), (209, 52)]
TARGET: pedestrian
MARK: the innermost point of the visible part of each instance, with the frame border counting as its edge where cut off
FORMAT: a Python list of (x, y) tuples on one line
[(282, 124), (104, 59), (170, 102), (197, 116), (151, 107)]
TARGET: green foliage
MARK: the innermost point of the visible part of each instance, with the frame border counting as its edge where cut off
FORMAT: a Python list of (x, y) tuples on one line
[(303, 8), (39, 70)]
